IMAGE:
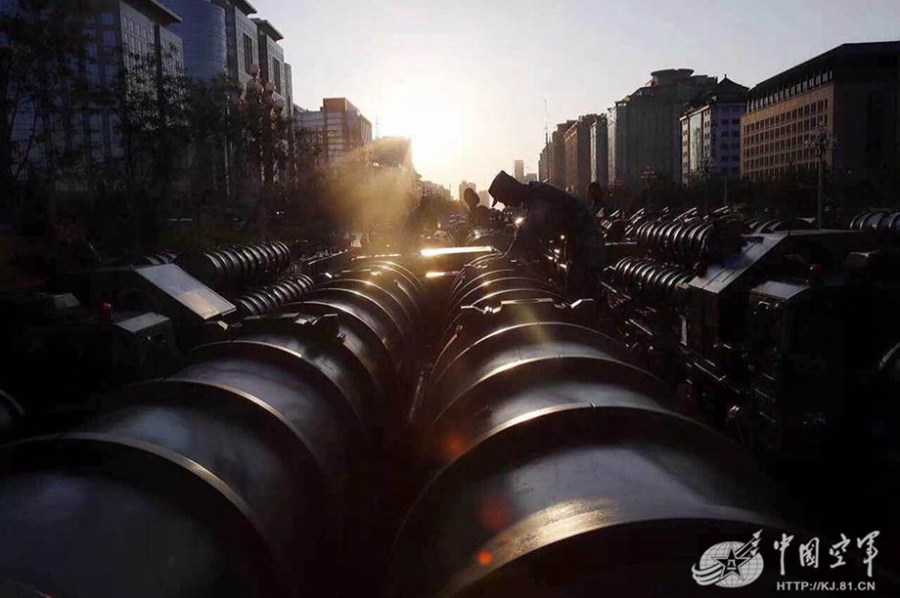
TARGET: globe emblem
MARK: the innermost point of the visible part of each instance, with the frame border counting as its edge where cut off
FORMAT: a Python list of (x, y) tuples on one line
[(734, 566)]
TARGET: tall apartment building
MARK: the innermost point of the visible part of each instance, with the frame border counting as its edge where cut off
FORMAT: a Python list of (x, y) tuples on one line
[(600, 151), (644, 129), (558, 154), (340, 126), (711, 132), (519, 170), (466, 185), (851, 90), (578, 155)]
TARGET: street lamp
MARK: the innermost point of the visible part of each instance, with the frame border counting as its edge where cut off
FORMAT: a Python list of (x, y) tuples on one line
[(821, 142)]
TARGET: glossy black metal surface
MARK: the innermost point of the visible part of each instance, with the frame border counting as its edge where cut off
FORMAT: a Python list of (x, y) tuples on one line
[(558, 468), (244, 474), (271, 297), (885, 222), (156, 259), (613, 229), (11, 414), (494, 237), (765, 225), (234, 267), (381, 294), (652, 280), (688, 239)]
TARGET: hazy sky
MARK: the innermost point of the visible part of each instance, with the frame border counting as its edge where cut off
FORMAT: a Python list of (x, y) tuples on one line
[(467, 79)]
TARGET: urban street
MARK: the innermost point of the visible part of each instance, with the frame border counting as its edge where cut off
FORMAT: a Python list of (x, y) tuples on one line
[(449, 299)]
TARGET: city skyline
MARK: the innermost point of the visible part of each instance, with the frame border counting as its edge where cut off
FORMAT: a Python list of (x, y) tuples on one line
[(483, 73)]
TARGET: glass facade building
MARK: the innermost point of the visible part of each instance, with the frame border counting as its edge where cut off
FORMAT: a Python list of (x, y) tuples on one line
[(204, 35), (122, 36), (339, 128), (241, 39), (271, 60)]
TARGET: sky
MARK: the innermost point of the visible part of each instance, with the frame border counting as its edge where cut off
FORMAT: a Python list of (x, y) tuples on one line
[(468, 80)]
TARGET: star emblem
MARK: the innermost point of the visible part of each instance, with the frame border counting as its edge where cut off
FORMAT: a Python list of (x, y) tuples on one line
[(732, 563)]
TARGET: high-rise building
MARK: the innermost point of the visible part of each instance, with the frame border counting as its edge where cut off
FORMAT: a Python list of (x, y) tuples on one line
[(220, 37), (124, 37), (204, 35), (578, 156), (644, 129), (433, 190), (340, 126), (289, 88), (531, 177), (392, 152), (272, 68), (615, 146), (241, 39), (544, 163), (466, 185), (711, 132), (600, 151), (310, 126), (558, 154), (519, 170), (484, 198), (852, 90)]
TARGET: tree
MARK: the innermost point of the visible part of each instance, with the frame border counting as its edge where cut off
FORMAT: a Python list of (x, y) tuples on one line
[(43, 56), (147, 101), (214, 132), (264, 143)]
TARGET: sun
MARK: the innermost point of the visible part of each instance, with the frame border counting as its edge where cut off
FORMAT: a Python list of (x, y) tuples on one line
[(431, 118)]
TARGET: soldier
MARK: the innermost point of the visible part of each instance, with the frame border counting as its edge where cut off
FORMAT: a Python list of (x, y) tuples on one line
[(595, 195), (478, 215), (421, 220), (551, 213)]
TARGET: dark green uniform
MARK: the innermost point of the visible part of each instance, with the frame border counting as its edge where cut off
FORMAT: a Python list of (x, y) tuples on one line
[(551, 212)]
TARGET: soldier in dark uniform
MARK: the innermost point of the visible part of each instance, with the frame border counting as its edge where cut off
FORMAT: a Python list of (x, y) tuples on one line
[(422, 220), (595, 195), (478, 215), (551, 213)]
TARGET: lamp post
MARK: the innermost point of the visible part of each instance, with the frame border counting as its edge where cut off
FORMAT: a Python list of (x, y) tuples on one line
[(264, 112), (821, 142)]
